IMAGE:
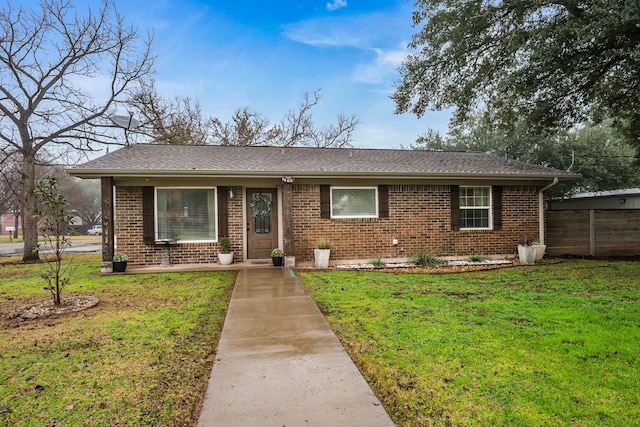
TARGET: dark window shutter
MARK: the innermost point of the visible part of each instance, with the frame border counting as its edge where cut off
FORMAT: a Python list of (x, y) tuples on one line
[(148, 226), (223, 211), (497, 207), (325, 201), (383, 201), (455, 208)]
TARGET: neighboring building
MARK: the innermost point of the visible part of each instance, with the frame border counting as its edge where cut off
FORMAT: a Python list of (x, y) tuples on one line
[(602, 224), (370, 203), (9, 222), (613, 199)]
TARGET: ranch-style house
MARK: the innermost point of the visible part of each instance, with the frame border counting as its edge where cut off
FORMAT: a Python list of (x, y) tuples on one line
[(369, 202)]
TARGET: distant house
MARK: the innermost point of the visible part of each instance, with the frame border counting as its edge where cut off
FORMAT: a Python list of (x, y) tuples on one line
[(9, 222), (370, 203), (602, 223)]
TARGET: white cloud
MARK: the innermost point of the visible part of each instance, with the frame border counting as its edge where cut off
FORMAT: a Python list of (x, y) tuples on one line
[(325, 33), (336, 4), (385, 64), (361, 31)]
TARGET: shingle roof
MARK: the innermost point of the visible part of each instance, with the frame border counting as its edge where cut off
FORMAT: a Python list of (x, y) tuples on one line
[(175, 160)]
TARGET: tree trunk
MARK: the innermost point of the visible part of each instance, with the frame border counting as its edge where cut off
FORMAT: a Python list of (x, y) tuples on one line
[(30, 223), (17, 220)]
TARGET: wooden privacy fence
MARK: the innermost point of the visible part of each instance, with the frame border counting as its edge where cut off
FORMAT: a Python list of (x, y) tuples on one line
[(593, 232)]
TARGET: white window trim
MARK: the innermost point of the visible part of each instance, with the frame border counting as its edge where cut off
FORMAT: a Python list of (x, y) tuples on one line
[(490, 207), (375, 188), (215, 210)]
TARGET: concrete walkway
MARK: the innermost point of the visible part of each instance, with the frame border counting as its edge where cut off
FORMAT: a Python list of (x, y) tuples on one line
[(280, 364)]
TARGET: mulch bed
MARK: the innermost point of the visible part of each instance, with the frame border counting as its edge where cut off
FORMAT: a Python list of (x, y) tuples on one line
[(42, 309)]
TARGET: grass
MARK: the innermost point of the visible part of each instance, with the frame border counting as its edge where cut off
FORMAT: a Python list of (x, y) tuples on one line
[(6, 239), (542, 345), (141, 357)]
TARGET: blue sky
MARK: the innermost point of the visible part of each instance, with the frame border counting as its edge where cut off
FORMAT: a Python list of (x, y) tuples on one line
[(265, 54)]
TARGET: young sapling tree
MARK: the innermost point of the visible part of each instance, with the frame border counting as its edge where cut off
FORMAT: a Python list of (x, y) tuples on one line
[(53, 219)]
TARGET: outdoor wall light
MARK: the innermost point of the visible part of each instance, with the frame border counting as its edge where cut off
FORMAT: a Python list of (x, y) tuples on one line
[(231, 193), (287, 179)]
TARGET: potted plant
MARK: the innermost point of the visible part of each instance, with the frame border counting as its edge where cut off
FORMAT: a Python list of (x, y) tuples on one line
[(322, 252), (120, 262), (225, 256), (540, 249), (277, 257), (526, 252)]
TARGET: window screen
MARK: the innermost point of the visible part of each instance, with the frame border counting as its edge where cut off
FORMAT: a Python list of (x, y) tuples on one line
[(186, 214), (358, 202)]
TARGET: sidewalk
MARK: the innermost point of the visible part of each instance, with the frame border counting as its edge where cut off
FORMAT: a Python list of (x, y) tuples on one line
[(279, 363)]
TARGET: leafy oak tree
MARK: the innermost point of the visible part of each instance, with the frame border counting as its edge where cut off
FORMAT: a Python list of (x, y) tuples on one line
[(62, 71), (604, 159), (551, 63)]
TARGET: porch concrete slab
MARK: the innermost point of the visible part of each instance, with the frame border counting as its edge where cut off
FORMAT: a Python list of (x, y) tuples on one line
[(280, 364)]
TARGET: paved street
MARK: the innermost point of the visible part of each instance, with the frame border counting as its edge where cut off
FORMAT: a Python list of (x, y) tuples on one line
[(83, 245)]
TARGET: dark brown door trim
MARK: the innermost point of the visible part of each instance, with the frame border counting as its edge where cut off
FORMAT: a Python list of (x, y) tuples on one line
[(261, 222)]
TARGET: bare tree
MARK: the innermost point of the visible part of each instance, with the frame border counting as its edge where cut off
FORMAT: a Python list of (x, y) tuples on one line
[(84, 199), (181, 122), (297, 127), (10, 189), (245, 128), (49, 56)]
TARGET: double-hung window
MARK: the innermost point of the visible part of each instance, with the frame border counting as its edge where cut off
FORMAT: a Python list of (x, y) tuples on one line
[(475, 207), (186, 214), (354, 202)]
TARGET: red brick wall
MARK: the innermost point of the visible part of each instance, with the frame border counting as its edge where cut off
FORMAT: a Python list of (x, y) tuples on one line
[(128, 213), (419, 217)]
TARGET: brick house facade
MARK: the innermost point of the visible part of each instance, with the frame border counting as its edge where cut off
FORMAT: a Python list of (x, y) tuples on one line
[(369, 203), (419, 218)]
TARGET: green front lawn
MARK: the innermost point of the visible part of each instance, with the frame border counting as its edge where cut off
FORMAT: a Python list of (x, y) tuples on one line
[(141, 357), (527, 346)]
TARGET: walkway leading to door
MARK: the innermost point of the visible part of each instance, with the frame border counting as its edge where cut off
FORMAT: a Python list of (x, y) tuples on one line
[(280, 364)]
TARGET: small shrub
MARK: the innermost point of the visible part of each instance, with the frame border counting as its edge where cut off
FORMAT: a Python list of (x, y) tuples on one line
[(277, 252), (378, 263), (477, 258), (324, 244), (225, 245), (426, 259), (120, 257)]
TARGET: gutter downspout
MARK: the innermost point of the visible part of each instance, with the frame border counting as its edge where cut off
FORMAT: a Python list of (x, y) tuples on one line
[(541, 210)]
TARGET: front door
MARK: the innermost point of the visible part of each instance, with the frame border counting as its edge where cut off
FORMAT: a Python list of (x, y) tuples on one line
[(262, 222)]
